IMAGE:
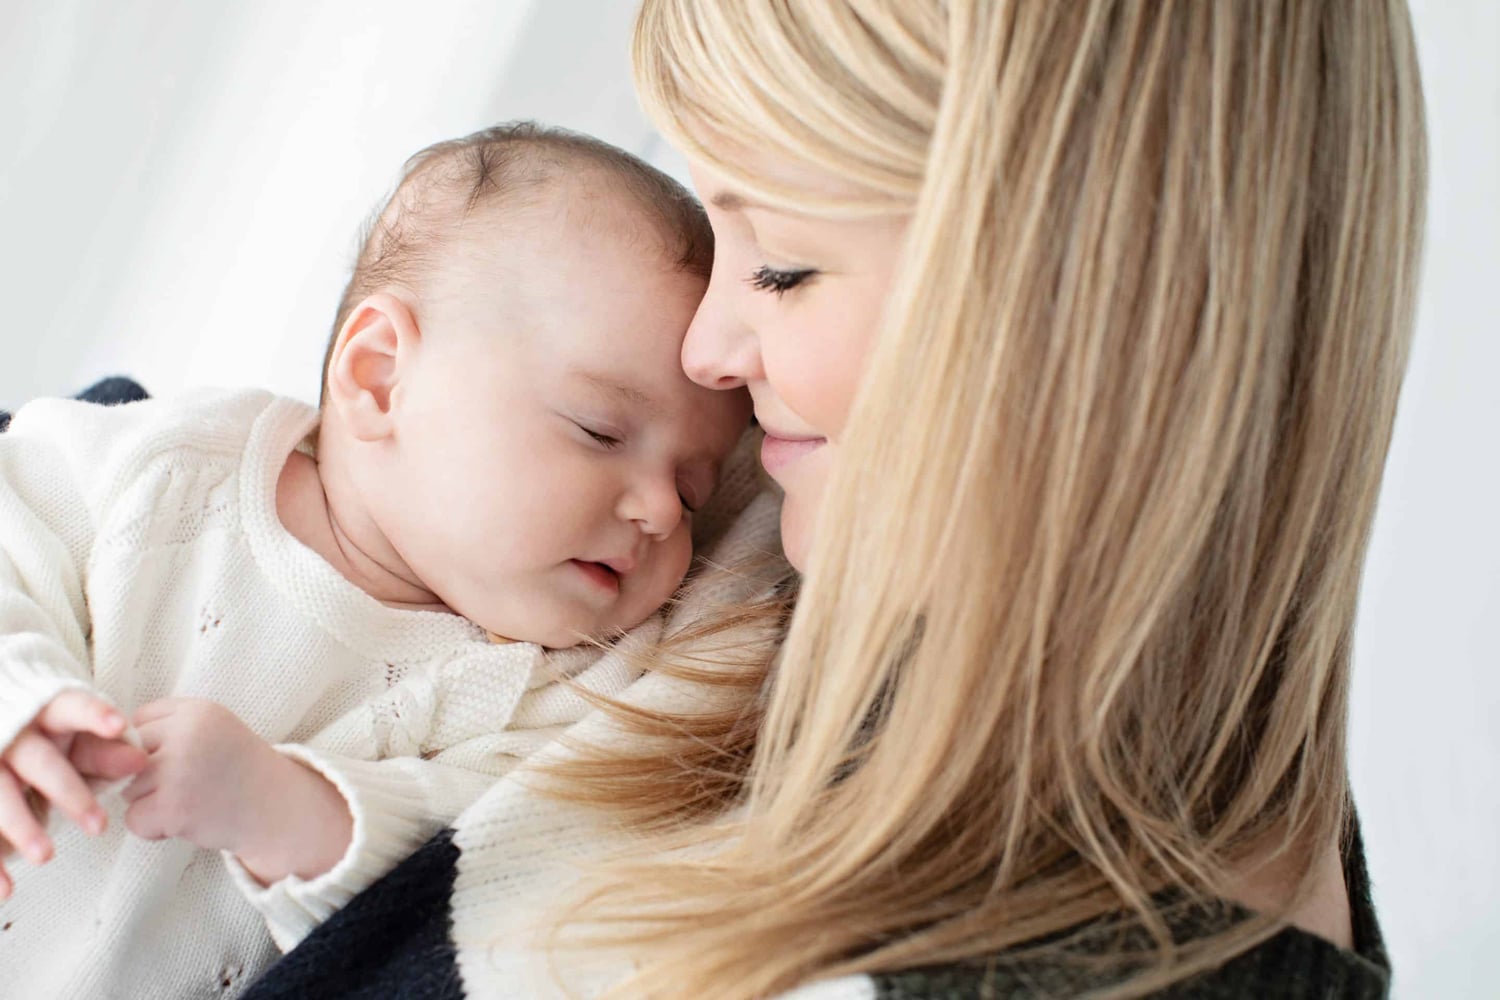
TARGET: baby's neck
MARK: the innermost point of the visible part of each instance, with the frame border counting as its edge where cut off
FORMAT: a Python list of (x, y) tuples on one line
[(346, 537)]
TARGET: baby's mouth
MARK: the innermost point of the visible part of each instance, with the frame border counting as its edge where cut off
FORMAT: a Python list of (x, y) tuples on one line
[(601, 574)]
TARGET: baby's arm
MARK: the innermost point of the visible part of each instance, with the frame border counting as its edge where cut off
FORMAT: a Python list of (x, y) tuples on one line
[(303, 831), (47, 527), (395, 806), (47, 530), (74, 737)]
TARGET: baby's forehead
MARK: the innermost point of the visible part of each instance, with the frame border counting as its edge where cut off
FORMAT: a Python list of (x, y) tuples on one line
[(571, 291), (586, 213)]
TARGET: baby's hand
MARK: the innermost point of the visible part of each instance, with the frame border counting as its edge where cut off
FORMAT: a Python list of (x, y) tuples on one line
[(76, 736), (214, 783), (209, 775)]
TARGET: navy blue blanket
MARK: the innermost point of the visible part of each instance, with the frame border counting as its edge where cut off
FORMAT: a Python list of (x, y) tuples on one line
[(106, 392)]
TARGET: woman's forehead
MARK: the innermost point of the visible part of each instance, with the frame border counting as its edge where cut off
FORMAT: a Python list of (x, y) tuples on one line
[(768, 182)]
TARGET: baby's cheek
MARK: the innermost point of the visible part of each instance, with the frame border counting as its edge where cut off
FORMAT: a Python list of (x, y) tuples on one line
[(682, 554), (673, 560)]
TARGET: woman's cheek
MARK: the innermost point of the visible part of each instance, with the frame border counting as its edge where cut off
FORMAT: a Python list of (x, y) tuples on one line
[(815, 369)]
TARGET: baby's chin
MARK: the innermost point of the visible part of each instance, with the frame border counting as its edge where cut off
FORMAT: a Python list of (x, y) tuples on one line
[(567, 631)]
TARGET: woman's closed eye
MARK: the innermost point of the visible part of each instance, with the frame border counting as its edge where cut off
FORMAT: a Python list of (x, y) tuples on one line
[(772, 279)]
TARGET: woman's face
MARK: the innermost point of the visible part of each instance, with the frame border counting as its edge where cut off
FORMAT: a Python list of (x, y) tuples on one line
[(791, 312)]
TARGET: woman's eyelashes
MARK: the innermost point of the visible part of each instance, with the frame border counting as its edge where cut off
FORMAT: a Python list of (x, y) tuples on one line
[(772, 279)]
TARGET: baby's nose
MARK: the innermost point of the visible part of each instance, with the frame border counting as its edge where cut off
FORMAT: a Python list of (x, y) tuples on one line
[(655, 507)]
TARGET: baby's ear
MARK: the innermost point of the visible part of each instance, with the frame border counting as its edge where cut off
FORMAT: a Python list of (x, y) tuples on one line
[(365, 365)]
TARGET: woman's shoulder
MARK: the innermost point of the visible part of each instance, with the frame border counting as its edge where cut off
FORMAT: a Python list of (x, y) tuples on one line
[(1292, 963)]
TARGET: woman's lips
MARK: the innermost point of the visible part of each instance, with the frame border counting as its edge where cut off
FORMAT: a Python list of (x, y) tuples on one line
[(777, 453)]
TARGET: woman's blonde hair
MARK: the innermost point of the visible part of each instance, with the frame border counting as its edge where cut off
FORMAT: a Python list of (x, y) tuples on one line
[(1078, 618)]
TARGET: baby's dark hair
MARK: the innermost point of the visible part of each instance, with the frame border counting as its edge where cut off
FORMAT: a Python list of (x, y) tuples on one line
[(442, 184)]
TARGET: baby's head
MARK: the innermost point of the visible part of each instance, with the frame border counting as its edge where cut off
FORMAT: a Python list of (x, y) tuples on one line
[(503, 397)]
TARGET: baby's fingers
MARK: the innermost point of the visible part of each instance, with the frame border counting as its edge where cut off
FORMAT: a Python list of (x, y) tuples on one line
[(36, 761), (107, 760), (77, 711), (144, 819), (18, 824), (144, 784)]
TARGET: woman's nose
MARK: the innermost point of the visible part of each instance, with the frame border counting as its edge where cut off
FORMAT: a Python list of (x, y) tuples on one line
[(720, 350)]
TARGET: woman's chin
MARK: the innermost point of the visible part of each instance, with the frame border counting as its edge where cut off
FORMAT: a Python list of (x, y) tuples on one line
[(803, 484), (796, 535)]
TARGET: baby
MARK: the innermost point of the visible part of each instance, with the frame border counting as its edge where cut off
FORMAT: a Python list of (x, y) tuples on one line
[(322, 622)]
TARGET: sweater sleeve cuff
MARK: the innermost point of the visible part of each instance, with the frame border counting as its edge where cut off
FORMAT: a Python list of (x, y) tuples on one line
[(25, 689), (390, 821)]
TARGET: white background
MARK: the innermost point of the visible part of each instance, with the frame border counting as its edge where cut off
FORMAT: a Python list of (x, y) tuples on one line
[(181, 183)]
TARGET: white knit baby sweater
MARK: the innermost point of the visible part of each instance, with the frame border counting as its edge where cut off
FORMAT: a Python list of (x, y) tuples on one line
[(141, 556)]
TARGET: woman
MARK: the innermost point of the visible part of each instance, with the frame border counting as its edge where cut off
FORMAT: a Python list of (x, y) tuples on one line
[(1076, 331)]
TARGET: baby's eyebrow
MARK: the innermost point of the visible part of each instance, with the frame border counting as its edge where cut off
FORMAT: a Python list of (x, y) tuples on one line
[(612, 387)]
